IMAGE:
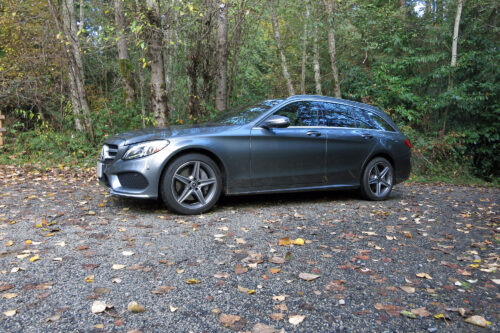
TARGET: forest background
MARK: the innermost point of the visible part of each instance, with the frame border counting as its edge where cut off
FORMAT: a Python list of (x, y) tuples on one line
[(73, 72)]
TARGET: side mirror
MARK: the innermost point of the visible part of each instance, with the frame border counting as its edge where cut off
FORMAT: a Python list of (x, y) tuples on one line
[(276, 122)]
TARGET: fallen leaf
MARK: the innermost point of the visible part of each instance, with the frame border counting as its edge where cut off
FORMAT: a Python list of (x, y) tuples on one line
[(279, 298), (10, 313), (477, 320), (239, 269), (162, 290), (117, 266), (220, 275), (246, 290), (409, 290), (422, 312), (240, 241), (193, 281), (295, 320), (392, 310), (277, 260), (89, 279), (135, 307), (35, 258), (424, 275), (274, 270), (263, 328), (284, 241), (9, 295), (127, 253), (308, 276), (408, 314), (232, 321), (335, 286), (407, 234), (5, 287), (277, 316), (9, 243), (299, 241), (173, 308), (98, 307)]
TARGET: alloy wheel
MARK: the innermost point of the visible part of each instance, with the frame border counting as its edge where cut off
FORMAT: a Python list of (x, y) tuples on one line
[(380, 179)]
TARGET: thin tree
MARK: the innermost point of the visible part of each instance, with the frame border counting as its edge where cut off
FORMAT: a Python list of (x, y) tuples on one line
[(304, 51), (154, 38), (454, 49), (330, 8), (317, 70), (277, 38), (123, 58), (221, 56), (65, 22)]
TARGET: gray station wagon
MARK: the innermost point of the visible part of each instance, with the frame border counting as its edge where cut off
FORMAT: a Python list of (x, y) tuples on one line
[(296, 144)]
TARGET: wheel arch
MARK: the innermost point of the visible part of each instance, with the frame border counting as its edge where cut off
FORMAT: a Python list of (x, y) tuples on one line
[(198, 150), (385, 155)]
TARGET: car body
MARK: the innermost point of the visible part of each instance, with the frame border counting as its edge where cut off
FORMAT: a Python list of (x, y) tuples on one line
[(304, 142)]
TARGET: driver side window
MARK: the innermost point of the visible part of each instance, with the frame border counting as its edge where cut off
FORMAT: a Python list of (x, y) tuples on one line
[(303, 113)]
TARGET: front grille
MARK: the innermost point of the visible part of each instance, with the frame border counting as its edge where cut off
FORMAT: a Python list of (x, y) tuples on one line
[(108, 152)]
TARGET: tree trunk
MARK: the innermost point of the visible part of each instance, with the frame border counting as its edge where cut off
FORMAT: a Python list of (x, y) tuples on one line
[(221, 55), (155, 43), (277, 38), (304, 52), (75, 66), (331, 47), (124, 62), (454, 47), (235, 48), (317, 71)]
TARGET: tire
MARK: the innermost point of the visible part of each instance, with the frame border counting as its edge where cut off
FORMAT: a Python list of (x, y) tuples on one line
[(377, 180), (191, 184)]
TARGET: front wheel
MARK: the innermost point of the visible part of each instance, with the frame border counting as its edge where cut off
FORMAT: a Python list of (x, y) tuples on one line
[(377, 180), (191, 184)]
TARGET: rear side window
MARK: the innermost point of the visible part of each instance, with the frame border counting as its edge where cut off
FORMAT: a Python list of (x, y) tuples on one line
[(380, 123), (301, 113), (337, 115)]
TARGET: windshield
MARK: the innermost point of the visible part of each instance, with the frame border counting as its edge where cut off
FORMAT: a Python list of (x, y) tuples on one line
[(244, 115)]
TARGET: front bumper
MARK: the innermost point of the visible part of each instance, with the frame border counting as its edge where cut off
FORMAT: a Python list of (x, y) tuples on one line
[(137, 178)]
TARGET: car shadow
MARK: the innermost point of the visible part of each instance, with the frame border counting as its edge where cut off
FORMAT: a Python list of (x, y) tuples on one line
[(254, 200)]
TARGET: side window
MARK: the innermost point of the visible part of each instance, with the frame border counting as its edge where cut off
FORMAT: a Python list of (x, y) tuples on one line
[(364, 120), (337, 115), (380, 123), (300, 113)]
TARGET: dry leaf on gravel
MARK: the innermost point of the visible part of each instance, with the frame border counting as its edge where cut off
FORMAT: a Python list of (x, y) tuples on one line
[(335, 286), (262, 328), (117, 266), (297, 319), (53, 318), (193, 281), (422, 312), (135, 307), (277, 316), (477, 320), (9, 295), (98, 307), (221, 275), (239, 269), (10, 313), (277, 260), (232, 321), (274, 270), (392, 310), (279, 298), (424, 276), (308, 276), (284, 241), (299, 241), (409, 290)]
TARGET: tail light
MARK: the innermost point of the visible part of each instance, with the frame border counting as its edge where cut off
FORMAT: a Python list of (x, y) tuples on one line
[(408, 143)]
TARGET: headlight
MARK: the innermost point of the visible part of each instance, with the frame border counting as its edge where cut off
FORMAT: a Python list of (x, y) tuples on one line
[(144, 149)]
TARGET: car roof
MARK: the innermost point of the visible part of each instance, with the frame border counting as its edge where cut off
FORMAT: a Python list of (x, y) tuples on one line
[(333, 99)]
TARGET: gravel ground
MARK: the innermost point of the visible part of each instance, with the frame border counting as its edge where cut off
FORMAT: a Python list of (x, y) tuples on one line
[(65, 244)]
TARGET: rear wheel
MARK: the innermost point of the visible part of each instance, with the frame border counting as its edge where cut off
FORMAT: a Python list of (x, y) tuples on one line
[(377, 180), (191, 184)]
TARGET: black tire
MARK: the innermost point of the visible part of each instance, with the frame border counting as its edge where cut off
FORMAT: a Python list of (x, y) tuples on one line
[(377, 180), (187, 191)]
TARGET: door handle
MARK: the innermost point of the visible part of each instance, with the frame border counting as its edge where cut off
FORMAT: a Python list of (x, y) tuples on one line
[(367, 136), (313, 133)]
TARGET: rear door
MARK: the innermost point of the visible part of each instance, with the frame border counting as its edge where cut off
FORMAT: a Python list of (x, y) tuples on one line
[(349, 143), (292, 156)]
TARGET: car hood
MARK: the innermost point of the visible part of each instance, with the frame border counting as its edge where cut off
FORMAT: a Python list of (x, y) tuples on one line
[(149, 134)]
